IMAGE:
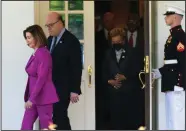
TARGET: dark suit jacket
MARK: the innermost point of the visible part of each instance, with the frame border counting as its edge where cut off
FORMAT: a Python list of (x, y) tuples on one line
[(67, 64), (140, 39), (101, 40), (127, 66), (101, 45), (140, 48)]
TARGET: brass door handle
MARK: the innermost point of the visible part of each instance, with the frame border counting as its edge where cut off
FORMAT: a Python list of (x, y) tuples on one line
[(145, 71), (90, 75), (142, 82)]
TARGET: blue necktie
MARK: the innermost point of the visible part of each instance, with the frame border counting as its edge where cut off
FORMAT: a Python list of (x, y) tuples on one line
[(54, 44)]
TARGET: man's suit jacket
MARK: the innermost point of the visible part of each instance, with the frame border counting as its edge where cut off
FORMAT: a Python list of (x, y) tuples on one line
[(40, 89), (140, 39), (140, 48), (67, 64), (101, 45), (101, 41)]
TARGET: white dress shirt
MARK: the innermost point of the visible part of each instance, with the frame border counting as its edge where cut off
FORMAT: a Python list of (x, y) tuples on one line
[(119, 53)]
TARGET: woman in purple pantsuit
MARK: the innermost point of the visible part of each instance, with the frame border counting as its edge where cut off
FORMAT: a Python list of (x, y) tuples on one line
[(40, 93)]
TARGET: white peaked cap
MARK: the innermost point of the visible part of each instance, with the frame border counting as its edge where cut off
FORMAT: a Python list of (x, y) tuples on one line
[(174, 10)]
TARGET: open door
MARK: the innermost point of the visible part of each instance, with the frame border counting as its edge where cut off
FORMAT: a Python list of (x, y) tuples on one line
[(79, 19), (148, 81)]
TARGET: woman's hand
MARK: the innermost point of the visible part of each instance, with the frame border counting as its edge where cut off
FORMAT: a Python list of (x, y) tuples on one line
[(120, 77), (115, 83), (28, 104)]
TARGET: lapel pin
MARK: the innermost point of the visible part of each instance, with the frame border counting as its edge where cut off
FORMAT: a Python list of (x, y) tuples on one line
[(60, 42)]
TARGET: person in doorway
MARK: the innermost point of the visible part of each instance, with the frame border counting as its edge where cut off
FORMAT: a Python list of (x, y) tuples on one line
[(98, 25), (102, 43), (135, 38), (40, 93), (173, 72), (135, 33), (66, 54), (102, 36), (120, 76)]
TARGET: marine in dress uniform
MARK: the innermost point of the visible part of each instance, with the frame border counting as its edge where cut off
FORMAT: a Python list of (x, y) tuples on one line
[(173, 72)]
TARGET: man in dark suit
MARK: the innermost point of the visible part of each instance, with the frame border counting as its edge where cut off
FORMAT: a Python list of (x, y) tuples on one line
[(102, 37), (135, 33), (120, 75), (135, 36), (102, 43), (67, 68), (135, 39)]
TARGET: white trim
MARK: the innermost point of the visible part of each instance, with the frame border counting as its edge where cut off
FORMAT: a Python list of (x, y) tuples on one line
[(150, 50), (170, 62)]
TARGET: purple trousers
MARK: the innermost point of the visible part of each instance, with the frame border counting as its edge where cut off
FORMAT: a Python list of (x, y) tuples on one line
[(44, 113)]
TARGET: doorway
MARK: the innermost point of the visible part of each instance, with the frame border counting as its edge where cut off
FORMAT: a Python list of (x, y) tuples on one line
[(121, 10), (80, 21)]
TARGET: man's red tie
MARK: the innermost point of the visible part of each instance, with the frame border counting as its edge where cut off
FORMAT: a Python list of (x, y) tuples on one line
[(131, 40)]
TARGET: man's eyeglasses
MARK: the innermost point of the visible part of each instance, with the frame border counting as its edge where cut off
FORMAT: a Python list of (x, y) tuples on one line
[(51, 25)]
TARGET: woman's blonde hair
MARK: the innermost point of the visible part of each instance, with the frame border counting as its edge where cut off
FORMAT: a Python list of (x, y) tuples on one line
[(118, 32)]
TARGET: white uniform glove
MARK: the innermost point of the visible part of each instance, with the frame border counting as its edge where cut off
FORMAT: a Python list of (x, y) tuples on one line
[(156, 74)]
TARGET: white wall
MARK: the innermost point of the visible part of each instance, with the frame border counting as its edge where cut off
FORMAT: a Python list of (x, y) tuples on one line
[(16, 16), (162, 33)]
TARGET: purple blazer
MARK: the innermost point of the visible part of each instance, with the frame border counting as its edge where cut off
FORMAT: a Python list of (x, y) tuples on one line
[(40, 89)]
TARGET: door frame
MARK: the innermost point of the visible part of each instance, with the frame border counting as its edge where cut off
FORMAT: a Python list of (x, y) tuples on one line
[(147, 58), (154, 91), (150, 92)]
